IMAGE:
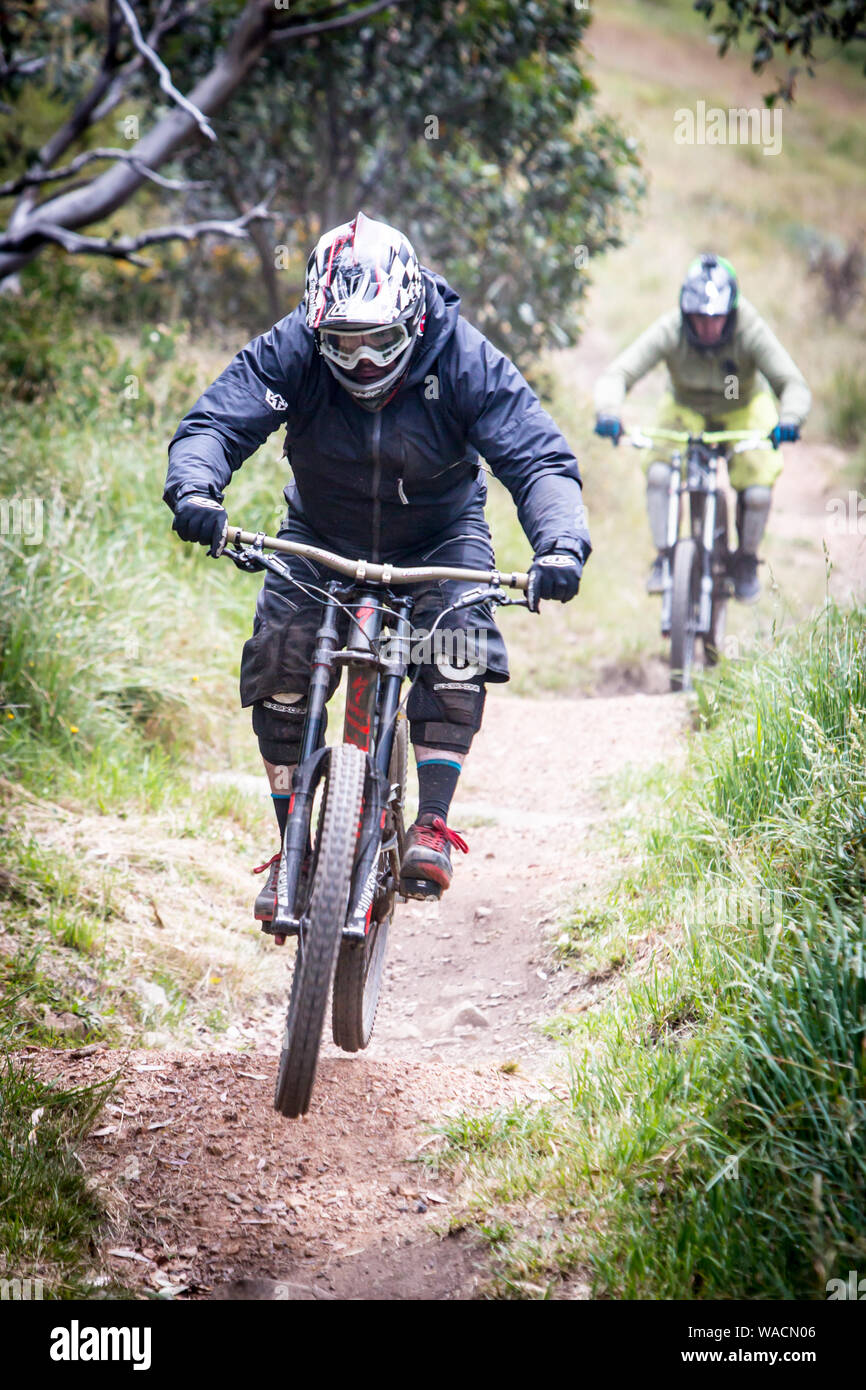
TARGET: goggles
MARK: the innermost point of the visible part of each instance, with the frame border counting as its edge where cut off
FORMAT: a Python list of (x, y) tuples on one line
[(381, 346)]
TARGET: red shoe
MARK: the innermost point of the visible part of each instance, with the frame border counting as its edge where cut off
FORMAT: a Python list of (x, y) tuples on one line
[(426, 868)]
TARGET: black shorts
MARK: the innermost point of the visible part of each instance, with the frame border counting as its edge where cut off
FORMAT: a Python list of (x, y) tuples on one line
[(277, 656)]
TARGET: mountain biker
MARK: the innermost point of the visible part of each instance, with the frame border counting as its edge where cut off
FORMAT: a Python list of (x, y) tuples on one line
[(720, 356), (388, 397)]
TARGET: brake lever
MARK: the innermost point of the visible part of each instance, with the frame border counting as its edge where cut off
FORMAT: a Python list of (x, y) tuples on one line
[(250, 558), (479, 595)]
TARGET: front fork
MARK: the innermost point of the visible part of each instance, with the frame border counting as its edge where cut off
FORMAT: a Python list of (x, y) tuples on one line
[(379, 793), (707, 523), (675, 487)]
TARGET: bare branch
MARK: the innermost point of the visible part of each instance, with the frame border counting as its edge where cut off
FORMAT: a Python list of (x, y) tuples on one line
[(123, 248), (22, 67), (353, 16), (53, 175), (162, 71), (163, 24)]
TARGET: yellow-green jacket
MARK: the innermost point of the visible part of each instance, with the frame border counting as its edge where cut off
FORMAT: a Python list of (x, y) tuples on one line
[(712, 381)]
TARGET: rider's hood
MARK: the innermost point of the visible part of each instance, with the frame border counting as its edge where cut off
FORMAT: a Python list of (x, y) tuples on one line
[(442, 313)]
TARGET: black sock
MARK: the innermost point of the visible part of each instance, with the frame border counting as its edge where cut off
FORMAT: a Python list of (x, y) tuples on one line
[(437, 782), (281, 807)]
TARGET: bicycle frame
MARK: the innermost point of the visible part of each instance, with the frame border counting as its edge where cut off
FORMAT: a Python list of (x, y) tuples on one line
[(372, 700), (372, 705), (694, 473)]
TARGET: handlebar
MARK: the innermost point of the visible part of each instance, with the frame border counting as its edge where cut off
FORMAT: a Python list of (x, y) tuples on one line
[(365, 571), (742, 439)]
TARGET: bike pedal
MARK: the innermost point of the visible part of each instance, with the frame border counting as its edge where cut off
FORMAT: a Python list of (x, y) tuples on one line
[(284, 929), (421, 888)]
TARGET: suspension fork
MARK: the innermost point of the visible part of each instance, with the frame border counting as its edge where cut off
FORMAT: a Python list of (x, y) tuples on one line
[(391, 683), (327, 642), (378, 787), (675, 487), (707, 520), (311, 757)]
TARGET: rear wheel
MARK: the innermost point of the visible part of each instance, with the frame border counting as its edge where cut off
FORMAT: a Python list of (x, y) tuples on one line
[(360, 964), (321, 929), (685, 605)]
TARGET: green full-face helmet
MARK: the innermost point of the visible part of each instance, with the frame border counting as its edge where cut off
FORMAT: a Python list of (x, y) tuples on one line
[(710, 290)]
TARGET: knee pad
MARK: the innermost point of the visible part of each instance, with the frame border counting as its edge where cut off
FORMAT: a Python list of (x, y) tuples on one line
[(658, 483), (445, 713), (753, 509), (278, 722)]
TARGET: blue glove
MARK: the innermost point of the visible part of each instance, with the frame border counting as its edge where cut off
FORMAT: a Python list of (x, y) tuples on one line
[(609, 427), (556, 575), (784, 434), (201, 519)]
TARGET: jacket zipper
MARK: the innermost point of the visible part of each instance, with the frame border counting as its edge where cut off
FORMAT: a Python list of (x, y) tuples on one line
[(377, 479)]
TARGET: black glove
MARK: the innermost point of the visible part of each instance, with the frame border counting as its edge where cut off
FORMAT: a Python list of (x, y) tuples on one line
[(556, 575), (202, 519)]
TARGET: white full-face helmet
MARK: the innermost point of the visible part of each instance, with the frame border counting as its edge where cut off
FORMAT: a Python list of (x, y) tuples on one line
[(365, 304)]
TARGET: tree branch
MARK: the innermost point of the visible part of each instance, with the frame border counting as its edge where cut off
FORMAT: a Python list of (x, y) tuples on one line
[(51, 175), (124, 248), (163, 24), (21, 67), (165, 82), (304, 30)]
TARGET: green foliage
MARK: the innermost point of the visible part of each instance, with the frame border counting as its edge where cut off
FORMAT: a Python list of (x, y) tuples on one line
[(796, 28), (846, 405), (708, 1140)]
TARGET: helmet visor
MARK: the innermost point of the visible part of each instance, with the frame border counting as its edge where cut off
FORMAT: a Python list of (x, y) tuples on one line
[(379, 346)]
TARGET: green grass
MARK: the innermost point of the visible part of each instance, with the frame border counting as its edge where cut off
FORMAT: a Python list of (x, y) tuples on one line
[(704, 1138), (50, 1216)]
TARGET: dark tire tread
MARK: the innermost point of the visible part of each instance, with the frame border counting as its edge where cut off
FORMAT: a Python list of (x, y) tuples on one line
[(686, 581), (326, 916), (358, 976)]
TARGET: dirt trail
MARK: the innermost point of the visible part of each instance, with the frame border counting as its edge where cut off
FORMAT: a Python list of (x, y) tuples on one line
[(213, 1194)]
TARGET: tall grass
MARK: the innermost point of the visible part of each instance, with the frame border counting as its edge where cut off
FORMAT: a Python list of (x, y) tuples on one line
[(707, 1140), (118, 645)]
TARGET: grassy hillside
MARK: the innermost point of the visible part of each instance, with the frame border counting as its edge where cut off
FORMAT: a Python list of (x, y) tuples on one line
[(704, 1137)]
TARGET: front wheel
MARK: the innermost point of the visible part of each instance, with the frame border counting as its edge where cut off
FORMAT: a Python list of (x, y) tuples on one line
[(321, 929), (360, 964), (685, 611)]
